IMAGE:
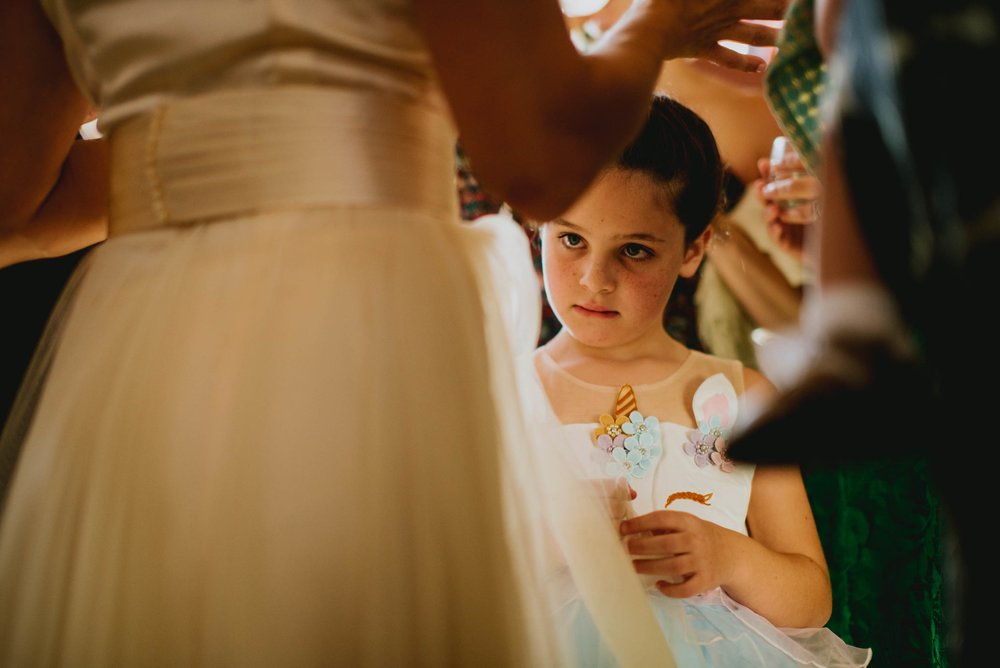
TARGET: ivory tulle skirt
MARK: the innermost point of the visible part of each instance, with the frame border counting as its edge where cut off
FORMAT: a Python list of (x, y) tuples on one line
[(714, 630), (263, 428), (270, 433)]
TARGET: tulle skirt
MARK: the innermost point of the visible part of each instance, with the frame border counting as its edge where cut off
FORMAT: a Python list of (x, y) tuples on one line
[(264, 431), (714, 630), (260, 440)]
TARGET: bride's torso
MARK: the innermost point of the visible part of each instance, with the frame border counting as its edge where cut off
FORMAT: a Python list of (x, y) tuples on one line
[(132, 55), (218, 108)]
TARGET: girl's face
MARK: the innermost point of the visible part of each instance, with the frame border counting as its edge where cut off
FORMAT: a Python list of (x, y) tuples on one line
[(610, 263)]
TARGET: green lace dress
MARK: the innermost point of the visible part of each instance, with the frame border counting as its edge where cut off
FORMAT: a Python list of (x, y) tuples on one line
[(882, 534)]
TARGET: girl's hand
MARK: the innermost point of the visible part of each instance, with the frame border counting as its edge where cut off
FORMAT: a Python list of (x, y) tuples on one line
[(691, 554)]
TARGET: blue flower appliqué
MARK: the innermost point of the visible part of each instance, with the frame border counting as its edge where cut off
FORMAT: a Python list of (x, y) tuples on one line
[(634, 457)]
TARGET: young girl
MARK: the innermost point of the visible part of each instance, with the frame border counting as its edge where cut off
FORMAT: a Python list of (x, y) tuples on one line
[(734, 566)]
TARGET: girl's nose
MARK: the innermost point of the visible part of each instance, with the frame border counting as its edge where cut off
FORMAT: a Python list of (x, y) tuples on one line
[(597, 276)]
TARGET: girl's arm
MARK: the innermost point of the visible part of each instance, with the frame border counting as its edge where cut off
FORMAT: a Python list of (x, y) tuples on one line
[(53, 189), (539, 119), (781, 572), (778, 571)]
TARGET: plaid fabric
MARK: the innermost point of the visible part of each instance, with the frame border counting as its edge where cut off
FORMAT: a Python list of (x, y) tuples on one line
[(475, 203), (795, 82), (471, 198)]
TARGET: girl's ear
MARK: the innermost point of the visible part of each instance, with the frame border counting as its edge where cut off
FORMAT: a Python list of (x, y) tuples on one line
[(694, 253)]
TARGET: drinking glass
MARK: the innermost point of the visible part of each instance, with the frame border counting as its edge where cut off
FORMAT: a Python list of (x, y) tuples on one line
[(786, 164)]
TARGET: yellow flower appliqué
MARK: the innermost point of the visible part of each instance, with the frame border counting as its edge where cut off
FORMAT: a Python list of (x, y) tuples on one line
[(610, 426)]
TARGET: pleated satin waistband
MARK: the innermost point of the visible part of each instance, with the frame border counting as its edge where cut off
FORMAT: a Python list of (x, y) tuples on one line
[(242, 151)]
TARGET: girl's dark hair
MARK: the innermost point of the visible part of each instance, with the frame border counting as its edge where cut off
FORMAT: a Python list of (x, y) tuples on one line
[(677, 148)]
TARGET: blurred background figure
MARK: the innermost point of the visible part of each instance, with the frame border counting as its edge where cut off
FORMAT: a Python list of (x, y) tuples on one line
[(879, 522), (908, 256)]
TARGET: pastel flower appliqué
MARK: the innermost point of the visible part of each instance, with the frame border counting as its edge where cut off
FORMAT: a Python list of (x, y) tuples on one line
[(610, 426), (606, 444), (641, 431), (707, 444), (719, 457), (715, 407), (641, 446), (699, 446), (624, 464)]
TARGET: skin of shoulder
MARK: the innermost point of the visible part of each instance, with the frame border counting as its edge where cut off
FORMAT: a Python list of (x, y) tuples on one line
[(757, 383)]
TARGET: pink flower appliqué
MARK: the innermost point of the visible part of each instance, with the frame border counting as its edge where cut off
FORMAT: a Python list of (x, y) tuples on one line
[(700, 446), (715, 408), (607, 444)]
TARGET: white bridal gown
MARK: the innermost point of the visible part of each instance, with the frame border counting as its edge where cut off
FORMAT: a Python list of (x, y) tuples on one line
[(272, 422)]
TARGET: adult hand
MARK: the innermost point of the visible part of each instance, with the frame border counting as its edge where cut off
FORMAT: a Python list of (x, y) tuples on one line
[(695, 28), (691, 554), (790, 204)]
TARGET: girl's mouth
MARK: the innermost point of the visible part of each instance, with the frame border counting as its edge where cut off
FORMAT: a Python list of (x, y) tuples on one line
[(594, 311)]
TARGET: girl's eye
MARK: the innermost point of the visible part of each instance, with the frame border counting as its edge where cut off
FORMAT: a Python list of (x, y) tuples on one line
[(571, 239), (636, 252)]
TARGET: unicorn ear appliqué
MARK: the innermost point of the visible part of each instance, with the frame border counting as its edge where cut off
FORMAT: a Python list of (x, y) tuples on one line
[(716, 398), (715, 409)]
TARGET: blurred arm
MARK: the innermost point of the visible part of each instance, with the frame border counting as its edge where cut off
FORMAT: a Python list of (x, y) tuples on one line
[(759, 286), (73, 215), (53, 189), (539, 119)]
